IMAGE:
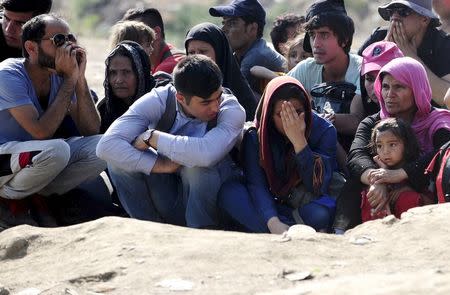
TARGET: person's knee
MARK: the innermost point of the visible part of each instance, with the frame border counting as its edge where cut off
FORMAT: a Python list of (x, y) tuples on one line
[(58, 153), (201, 179), (316, 216)]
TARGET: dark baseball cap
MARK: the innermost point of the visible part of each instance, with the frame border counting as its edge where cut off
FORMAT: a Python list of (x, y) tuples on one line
[(239, 8)]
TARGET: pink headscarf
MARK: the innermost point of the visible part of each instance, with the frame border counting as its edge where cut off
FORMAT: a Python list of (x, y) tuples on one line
[(426, 121)]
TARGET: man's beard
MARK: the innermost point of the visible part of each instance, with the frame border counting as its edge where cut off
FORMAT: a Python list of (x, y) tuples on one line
[(45, 60)]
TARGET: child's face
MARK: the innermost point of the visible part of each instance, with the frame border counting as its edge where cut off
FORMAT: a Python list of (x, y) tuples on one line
[(390, 148), (296, 55)]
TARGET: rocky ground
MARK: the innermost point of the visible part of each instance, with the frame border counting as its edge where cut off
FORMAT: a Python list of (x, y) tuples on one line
[(125, 256)]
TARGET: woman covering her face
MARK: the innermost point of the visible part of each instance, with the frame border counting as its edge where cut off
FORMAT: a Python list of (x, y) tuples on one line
[(127, 77), (404, 92), (288, 160), (208, 39)]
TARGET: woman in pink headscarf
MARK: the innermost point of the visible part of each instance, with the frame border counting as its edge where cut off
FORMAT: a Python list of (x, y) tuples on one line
[(404, 92)]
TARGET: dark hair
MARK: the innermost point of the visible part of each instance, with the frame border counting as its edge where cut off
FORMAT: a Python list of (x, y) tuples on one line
[(279, 32), (248, 19), (35, 6), (197, 75), (34, 29), (150, 16), (403, 131), (341, 25)]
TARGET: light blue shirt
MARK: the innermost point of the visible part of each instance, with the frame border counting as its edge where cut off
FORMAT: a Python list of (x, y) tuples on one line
[(188, 143), (309, 73)]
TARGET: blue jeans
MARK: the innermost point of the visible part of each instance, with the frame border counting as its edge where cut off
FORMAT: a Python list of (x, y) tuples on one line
[(235, 200), (187, 197)]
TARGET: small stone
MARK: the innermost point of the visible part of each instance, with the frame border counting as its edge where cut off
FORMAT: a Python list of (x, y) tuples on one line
[(298, 276), (283, 238), (390, 219), (361, 240), (29, 291), (176, 285), (301, 232), (4, 290)]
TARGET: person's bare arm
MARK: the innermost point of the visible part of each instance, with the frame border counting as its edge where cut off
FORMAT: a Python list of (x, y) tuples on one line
[(44, 126), (83, 110)]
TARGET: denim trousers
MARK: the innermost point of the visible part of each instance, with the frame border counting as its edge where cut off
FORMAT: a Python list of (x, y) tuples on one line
[(57, 166), (187, 197)]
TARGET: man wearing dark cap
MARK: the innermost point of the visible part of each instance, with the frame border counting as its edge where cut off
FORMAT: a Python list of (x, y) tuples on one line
[(15, 14), (329, 35), (413, 27), (243, 23)]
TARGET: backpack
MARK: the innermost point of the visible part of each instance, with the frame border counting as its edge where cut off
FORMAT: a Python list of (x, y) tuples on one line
[(333, 97), (439, 168)]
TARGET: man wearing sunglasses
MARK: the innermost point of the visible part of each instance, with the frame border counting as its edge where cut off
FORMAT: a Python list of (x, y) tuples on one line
[(14, 15), (413, 27), (48, 118)]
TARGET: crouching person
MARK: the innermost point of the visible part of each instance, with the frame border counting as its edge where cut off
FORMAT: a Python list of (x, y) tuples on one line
[(168, 154), (44, 102)]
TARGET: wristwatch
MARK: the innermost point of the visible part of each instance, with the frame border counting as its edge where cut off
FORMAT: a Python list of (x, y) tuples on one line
[(147, 136)]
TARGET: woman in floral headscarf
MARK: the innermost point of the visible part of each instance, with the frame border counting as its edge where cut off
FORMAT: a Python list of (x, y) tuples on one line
[(288, 159)]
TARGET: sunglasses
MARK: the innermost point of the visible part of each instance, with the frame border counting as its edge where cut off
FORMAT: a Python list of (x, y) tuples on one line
[(59, 39), (401, 11)]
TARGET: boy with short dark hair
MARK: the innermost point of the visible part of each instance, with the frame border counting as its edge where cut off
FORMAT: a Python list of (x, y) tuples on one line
[(173, 174)]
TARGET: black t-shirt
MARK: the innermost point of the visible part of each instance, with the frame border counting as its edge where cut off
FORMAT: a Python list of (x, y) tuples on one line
[(5, 50)]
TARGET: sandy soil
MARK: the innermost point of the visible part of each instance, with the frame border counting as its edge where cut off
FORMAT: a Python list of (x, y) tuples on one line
[(125, 256)]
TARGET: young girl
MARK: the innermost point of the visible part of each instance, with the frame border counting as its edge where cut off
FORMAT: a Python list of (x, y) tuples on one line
[(288, 162), (394, 144)]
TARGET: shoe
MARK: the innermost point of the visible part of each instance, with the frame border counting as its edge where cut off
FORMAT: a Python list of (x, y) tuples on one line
[(15, 212), (41, 212)]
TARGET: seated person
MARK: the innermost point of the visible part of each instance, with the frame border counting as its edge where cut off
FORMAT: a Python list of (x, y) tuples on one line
[(127, 78), (413, 27), (133, 31), (14, 14), (243, 24), (285, 28), (404, 92), (173, 174), (374, 58), (288, 159), (329, 35), (208, 39), (164, 55), (43, 98), (393, 144), (294, 55)]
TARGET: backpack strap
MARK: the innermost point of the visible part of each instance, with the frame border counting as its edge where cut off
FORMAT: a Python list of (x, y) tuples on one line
[(439, 177), (167, 119)]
